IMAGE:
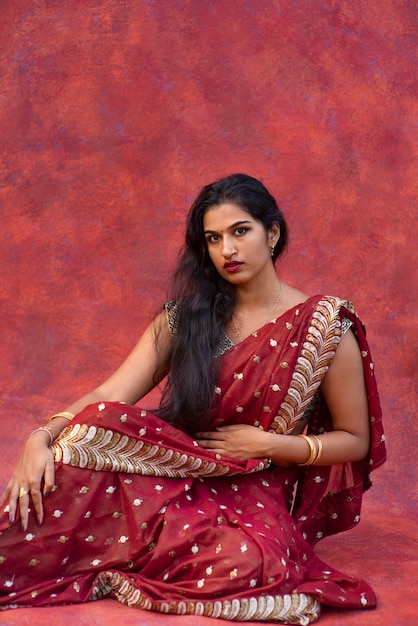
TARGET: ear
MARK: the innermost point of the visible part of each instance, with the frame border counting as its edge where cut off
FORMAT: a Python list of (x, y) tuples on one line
[(273, 234)]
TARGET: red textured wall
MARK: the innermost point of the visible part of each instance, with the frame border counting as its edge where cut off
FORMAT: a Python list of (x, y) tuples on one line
[(114, 113)]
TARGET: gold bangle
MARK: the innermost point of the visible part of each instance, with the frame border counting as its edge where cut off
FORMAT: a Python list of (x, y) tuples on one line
[(313, 450), (65, 414), (319, 451)]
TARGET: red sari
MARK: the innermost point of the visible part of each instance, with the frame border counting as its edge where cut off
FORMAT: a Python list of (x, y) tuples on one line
[(143, 514)]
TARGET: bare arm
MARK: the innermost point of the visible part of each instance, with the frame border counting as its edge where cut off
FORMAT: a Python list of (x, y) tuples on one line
[(344, 391), (138, 373), (129, 383)]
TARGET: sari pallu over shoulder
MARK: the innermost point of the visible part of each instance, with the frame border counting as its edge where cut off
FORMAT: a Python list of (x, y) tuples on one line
[(272, 380), (328, 499)]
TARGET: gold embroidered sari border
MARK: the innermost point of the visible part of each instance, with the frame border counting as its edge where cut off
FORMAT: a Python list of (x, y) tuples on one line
[(315, 357), (293, 608), (100, 449)]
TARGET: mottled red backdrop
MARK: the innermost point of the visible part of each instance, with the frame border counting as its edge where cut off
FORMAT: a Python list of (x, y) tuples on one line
[(114, 113)]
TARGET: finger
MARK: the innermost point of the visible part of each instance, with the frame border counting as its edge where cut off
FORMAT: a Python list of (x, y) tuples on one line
[(24, 508), (215, 436), (36, 496), (13, 502), (49, 475), (228, 453), (6, 492), (210, 444)]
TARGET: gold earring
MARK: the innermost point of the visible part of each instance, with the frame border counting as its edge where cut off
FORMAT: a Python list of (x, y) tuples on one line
[(272, 249)]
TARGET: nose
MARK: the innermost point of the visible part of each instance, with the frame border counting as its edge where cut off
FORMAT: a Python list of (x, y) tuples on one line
[(228, 248)]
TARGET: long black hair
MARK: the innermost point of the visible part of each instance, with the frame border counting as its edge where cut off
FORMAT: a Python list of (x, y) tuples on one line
[(204, 301)]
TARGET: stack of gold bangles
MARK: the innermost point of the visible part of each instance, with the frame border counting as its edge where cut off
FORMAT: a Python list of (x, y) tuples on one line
[(65, 414), (315, 447)]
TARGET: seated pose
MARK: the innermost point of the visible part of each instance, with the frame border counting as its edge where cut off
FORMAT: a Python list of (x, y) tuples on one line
[(268, 427)]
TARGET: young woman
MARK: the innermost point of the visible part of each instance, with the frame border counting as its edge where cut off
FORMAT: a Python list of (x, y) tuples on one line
[(192, 509)]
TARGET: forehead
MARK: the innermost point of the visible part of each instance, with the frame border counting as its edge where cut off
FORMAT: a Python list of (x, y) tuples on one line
[(221, 217)]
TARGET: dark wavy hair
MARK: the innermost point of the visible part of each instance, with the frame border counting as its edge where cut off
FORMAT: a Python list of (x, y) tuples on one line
[(206, 301)]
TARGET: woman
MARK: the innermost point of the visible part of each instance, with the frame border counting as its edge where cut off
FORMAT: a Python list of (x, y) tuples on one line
[(193, 509)]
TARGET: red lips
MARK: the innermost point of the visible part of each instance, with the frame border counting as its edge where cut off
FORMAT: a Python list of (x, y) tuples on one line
[(232, 266)]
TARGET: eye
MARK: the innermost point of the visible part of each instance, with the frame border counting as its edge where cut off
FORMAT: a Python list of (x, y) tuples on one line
[(212, 238), (241, 230)]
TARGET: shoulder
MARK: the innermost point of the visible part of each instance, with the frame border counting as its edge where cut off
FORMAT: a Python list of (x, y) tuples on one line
[(295, 298), (332, 314), (337, 315), (334, 305), (291, 299)]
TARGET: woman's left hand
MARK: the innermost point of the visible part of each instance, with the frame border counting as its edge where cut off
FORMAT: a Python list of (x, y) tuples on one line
[(240, 441)]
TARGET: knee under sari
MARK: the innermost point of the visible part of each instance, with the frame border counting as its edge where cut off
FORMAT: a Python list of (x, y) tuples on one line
[(141, 513)]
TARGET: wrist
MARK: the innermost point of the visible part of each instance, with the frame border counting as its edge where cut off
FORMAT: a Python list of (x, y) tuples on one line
[(271, 447), (278, 452), (44, 431)]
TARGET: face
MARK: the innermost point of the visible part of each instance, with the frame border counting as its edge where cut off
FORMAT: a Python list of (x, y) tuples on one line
[(237, 243)]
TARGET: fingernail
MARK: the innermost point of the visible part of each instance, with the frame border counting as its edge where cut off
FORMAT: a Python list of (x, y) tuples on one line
[(11, 518)]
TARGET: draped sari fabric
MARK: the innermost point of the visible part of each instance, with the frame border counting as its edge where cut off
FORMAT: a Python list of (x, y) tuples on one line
[(140, 512)]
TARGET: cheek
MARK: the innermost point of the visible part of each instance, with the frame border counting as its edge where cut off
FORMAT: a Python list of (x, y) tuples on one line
[(213, 256)]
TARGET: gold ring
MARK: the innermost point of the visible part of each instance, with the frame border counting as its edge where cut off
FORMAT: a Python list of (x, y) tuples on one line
[(22, 492)]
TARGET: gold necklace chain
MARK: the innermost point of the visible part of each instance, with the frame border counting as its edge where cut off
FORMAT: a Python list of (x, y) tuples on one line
[(276, 302)]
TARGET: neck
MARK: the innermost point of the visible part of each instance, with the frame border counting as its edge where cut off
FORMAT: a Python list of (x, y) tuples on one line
[(252, 316), (254, 297)]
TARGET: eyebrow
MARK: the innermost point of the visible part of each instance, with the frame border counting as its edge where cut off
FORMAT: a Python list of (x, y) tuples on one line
[(234, 225)]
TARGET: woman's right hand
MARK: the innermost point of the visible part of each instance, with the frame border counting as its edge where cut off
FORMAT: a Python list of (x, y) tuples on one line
[(33, 478)]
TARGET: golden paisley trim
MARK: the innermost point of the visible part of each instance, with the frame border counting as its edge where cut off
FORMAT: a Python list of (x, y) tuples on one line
[(315, 357), (294, 608), (99, 449)]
